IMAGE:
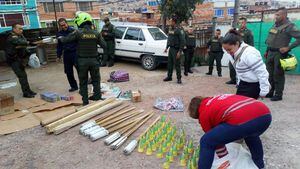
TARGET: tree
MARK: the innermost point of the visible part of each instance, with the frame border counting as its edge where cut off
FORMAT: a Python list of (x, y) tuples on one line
[(182, 8)]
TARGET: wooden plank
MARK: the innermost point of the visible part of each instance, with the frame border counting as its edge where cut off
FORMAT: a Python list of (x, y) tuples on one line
[(50, 106), (14, 115), (25, 104)]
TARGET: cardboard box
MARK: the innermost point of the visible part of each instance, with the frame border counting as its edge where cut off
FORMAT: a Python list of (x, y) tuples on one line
[(6, 104), (136, 96)]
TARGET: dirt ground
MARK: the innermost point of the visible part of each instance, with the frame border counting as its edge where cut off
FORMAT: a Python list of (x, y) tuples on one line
[(33, 148)]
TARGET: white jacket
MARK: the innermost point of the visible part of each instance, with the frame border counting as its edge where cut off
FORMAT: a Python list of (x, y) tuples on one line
[(251, 68)]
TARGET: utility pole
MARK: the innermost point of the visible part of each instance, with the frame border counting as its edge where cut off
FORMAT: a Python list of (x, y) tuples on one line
[(56, 25), (236, 13)]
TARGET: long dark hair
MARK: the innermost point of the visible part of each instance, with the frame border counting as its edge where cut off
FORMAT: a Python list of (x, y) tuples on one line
[(232, 37)]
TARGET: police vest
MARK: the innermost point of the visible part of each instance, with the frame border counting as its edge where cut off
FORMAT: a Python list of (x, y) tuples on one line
[(87, 44), (190, 40), (173, 38), (216, 45), (107, 29), (278, 37)]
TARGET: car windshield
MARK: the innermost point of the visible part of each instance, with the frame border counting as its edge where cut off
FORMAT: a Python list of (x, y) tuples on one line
[(157, 34)]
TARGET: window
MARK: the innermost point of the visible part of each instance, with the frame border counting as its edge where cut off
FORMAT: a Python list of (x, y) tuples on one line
[(49, 24), (219, 12), (157, 34), (84, 6), (7, 2), (119, 32), (48, 7), (7, 20), (230, 11), (134, 34)]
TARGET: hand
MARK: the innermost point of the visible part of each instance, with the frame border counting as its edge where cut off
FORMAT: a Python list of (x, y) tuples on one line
[(166, 50), (178, 55), (284, 49), (104, 33)]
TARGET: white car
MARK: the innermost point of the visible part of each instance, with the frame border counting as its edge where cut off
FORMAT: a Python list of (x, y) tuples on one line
[(143, 43)]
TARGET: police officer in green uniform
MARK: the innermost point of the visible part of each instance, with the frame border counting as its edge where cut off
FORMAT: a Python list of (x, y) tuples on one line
[(108, 33), (16, 56), (189, 50), (175, 44), (278, 43), (247, 37), (215, 53), (87, 40)]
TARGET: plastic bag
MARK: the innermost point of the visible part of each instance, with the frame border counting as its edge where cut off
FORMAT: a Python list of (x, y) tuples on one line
[(238, 158), (290, 63), (174, 104), (34, 61)]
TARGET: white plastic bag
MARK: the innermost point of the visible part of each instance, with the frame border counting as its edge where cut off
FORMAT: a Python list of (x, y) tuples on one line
[(237, 158), (34, 61)]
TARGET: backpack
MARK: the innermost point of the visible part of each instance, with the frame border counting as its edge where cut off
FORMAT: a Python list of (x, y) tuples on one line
[(119, 76)]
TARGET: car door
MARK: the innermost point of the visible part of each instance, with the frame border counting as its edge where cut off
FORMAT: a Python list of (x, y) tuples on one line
[(133, 43), (119, 34)]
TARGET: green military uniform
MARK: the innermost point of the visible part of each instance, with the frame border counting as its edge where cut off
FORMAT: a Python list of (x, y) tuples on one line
[(279, 36), (215, 53), (247, 37), (17, 57), (189, 51), (176, 43), (109, 38), (87, 54)]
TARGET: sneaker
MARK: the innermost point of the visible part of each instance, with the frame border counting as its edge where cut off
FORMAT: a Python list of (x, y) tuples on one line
[(28, 95), (208, 73), (73, 89), (185, 73), (276, 98), (230, 82), (179, 81), (167, 79)]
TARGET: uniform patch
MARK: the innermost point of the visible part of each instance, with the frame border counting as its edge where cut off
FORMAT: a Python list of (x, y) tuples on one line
[(88, 36), (275, 31), (171, 32), (191, 36)]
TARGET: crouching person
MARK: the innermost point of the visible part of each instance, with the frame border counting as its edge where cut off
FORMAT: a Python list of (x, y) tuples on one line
[(227, 118)]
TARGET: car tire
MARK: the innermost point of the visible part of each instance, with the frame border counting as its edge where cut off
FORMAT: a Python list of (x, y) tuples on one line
[(149, 62)]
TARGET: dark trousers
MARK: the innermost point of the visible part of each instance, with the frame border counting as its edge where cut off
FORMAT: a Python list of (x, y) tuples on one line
[(109, 52), (19, 69), (69, 63), (215, 56), (226, 133), (172, 60), (86, 66), (248, 89), (276, 73), (232, 72), (188, 56)]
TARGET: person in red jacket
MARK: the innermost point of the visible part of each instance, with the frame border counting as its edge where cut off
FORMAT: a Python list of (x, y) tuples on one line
[(227, 118)]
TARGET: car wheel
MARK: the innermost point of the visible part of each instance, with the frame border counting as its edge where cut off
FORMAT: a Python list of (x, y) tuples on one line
[(149, 62)]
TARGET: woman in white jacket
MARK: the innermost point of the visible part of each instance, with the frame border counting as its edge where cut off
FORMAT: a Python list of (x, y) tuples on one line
[(251, 71)]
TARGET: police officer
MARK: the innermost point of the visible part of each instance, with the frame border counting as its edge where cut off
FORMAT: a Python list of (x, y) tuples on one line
[(189, 50), (215, 53), (16, 56), (68, 50), (87, 40), (175, 44), (278, 43), (247, 37), (108, 33)]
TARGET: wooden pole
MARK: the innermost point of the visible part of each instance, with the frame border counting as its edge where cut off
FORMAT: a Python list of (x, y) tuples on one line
[(79, 113), (65, 126), (113, 111), (121, 119), (59, 116), (114, 116)]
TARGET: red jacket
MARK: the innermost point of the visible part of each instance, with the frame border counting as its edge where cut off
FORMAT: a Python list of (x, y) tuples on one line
[(229, 108)]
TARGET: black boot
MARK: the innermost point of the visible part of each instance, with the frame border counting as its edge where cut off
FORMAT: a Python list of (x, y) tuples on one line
[(73, 89), (95, 98), (32, 92), (190, 71), (208, 73), (230, 82), (28, 95), (276, 98), (220, 74), (179, 81), (103, 65), (185, 73), (270, 94), (167, 79)]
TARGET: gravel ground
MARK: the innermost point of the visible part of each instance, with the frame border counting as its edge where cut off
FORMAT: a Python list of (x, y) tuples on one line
[(33, 148)]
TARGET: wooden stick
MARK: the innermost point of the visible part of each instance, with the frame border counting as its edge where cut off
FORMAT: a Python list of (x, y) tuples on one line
[(115, 115), (149, 127), (113, 111), (65, 126), (57, 117), (121, 118), (127, 134), (79, 113)]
